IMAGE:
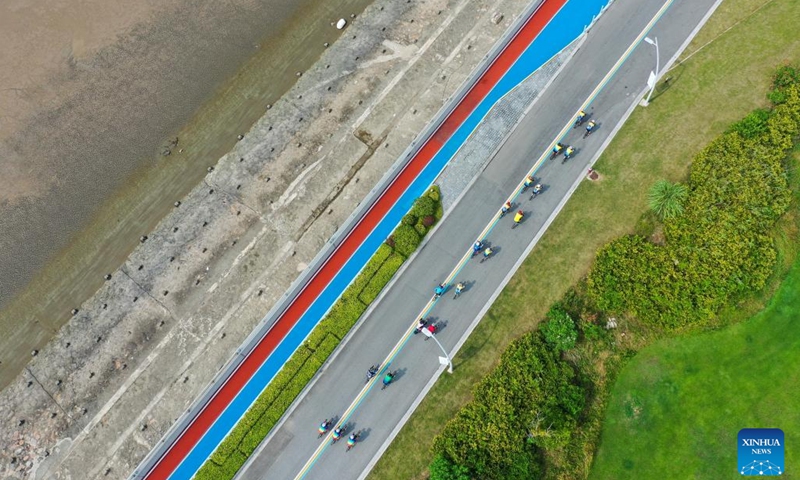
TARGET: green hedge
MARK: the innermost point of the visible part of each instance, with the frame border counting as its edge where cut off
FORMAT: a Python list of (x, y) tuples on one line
[(301, 367), (720, 247), (371, 267), (381, 278)]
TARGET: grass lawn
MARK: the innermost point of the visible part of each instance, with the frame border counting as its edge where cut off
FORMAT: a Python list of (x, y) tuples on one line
[(720, 84), (676, 409)]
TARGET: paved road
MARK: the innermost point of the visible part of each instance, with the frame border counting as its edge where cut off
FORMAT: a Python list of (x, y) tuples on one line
[(379, 412)]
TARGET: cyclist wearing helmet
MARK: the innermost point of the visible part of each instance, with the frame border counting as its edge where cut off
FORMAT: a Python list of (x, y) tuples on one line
[(528, 181)]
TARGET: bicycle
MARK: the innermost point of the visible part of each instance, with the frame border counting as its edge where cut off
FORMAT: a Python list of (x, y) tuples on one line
[(537, 189), (528, 183), (373, 370), (517, 218), (323, 428), (568, 153), (581, 118), (504, 209), (352, 439), (556, 150), (387, 379), (590, 128), (338, 433)]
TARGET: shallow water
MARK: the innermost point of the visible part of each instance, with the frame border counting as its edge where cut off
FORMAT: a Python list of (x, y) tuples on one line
[(81, 169)]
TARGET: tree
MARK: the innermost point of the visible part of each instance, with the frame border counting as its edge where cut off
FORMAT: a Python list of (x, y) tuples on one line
[(666, 199)]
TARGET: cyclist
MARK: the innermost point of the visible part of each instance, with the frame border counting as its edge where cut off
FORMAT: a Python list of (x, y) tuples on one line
[(459, 288), (337, 433), (487, 253), (432, 329), (518, 217), (387, 379), (537, 189), (477, 247), (529, 181), (420, 325), (503, 210), (581, 118), (439, 290), (569, 152), (371, 372), (324, 426), (557, 149), (351, 440), (590, 126)]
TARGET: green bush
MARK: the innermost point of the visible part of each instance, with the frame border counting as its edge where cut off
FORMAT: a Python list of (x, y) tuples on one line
[(409, 219), (406, 240), (785, 77), (559, 330), (776, 97), (443, 469), (423, 206), (752, 125), (421, 229), (434, 193)]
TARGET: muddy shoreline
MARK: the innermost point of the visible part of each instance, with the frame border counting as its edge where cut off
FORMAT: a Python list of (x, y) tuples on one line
[(101, 179)]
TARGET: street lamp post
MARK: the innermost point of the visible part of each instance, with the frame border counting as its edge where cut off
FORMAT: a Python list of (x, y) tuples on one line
[(653, 79), (446, 358)]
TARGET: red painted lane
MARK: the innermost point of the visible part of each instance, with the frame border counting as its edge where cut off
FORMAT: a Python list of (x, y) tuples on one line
[(181, 448)]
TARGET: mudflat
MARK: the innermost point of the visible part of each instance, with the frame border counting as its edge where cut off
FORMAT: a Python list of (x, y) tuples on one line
[(110, 111)]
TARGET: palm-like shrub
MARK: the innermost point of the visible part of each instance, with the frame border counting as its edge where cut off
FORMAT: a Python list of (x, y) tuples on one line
[(666, 199)]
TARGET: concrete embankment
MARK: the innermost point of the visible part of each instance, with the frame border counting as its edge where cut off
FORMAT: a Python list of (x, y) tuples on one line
[(96, 399)]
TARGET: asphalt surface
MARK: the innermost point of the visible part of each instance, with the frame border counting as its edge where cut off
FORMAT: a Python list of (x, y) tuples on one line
[(379, 412)]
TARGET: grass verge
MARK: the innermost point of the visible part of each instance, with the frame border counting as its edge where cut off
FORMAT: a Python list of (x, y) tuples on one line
[(716, 86)]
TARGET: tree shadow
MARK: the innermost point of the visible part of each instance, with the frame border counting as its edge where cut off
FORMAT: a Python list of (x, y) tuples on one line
[(467, 352), (670, 78)]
